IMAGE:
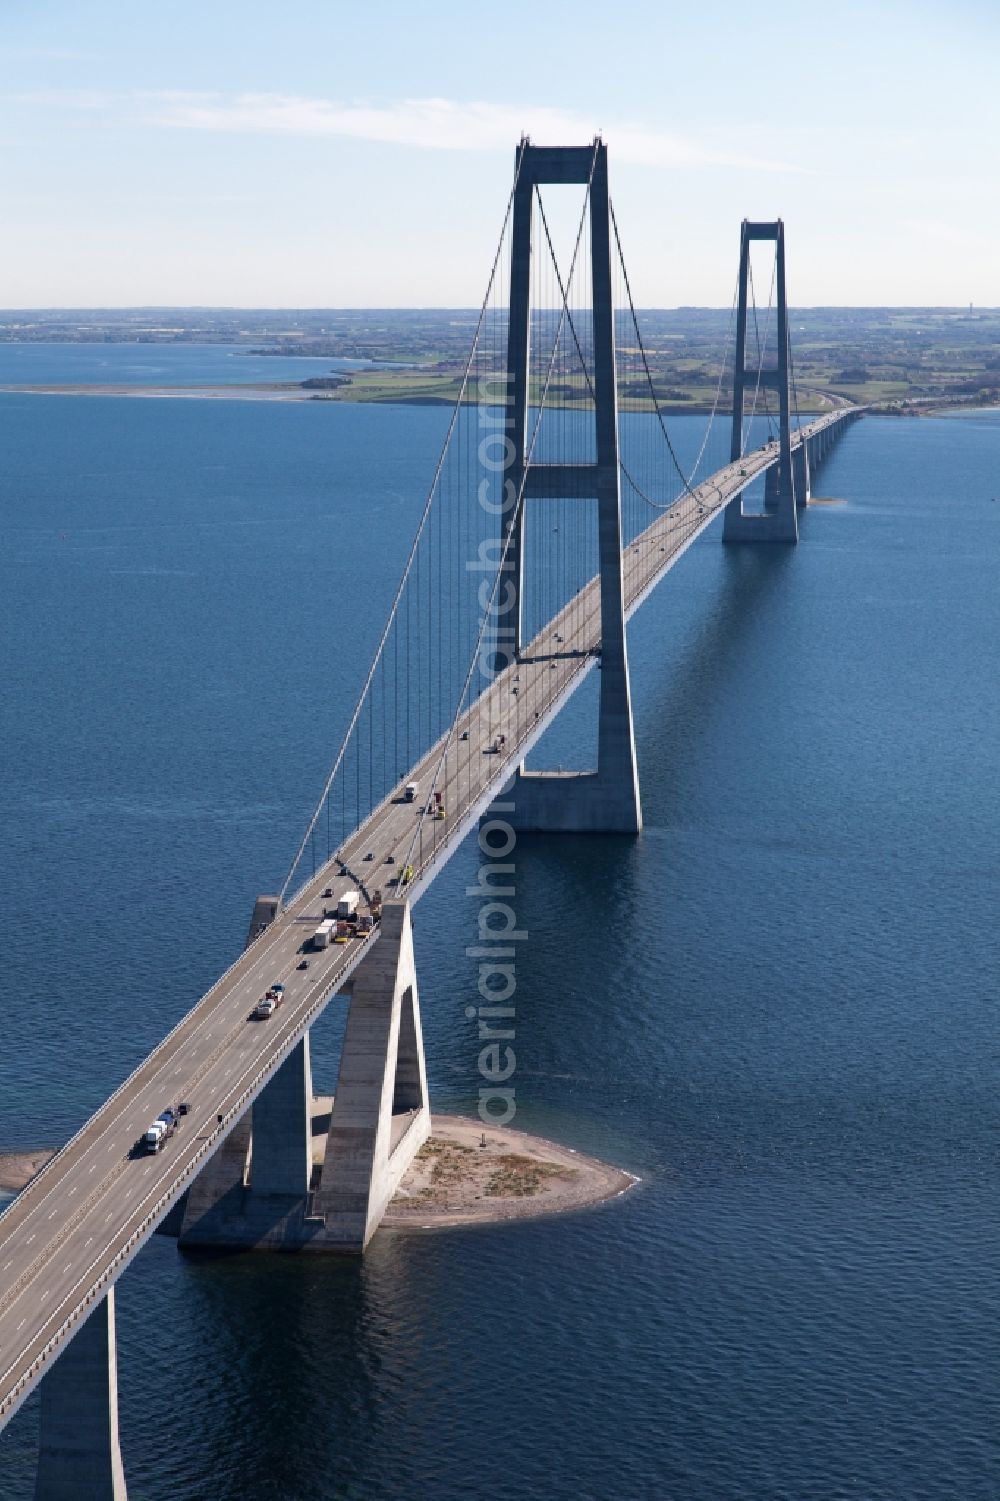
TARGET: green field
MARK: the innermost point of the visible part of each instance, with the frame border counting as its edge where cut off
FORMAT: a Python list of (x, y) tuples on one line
[(901, 358)]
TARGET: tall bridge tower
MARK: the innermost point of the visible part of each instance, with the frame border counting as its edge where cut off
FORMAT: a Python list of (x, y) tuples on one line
[(605, 800), (787, 483)]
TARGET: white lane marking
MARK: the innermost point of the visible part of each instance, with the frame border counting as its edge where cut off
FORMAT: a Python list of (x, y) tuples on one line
[(21, 1325), (265, 958), (31, 1237)]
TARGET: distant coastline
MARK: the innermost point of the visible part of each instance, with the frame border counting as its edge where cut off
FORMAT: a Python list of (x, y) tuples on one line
[(298, 391), (302, 391), (888, 358)]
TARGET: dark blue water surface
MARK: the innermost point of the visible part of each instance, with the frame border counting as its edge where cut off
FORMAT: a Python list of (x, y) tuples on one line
[(778, 1005)]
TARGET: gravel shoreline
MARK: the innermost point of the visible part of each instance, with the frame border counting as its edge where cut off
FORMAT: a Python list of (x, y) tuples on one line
[(471, 1174), (18, 1168)]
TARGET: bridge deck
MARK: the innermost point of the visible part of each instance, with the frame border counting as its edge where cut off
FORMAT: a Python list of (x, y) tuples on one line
[(78, 1225)]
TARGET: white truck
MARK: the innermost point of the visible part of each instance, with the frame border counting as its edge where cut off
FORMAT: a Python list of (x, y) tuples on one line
[(324, 933), (160, 1131), (347, 907), (269, 1003)]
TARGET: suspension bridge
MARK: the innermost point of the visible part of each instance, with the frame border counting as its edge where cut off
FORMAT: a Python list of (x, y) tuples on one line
[(559, 502)]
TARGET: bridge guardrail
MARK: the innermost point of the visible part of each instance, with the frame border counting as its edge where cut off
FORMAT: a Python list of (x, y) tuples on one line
[(167, 1199)]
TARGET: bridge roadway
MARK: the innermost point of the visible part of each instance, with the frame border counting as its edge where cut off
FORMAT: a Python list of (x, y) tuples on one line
[(76, 1227)]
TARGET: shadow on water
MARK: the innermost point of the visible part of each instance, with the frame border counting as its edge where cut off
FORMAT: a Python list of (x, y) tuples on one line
[(731, 627), (292, 1354)]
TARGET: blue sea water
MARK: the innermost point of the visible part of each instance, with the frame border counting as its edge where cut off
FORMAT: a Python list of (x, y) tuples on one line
[(154, 365), (778, 1005)]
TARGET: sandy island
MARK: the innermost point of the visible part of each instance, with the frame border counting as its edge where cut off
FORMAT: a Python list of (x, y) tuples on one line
[(466, 1174), (469, 1174)]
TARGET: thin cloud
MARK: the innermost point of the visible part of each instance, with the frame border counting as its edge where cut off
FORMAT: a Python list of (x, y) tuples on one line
[(435, 125), (85, 99)]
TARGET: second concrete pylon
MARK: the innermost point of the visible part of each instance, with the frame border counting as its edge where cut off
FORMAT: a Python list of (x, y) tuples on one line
[(381, 1116)]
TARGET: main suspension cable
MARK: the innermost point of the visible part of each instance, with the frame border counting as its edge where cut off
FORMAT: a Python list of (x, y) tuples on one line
[(686, 481)]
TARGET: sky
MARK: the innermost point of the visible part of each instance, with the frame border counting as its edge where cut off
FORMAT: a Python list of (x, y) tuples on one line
[(326, 153)]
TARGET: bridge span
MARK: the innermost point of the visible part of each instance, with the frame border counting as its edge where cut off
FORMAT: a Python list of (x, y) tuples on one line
[(239, 1169), (76, 1228)]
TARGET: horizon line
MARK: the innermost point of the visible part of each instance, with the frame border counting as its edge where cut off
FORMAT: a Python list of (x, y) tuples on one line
[(261, 307)]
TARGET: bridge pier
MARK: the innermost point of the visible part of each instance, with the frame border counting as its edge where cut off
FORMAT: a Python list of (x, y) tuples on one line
[(265, 909), (254, 1190), (605, 801), (803, 477), (381, 1115), (281, 1156), (257, 1190), (79, 1456)]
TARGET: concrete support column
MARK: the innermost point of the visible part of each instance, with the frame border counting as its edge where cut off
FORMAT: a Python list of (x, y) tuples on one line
[(264, 910), (800, 469), (219, 1192), (281, 1160), (79, 1458), (771, 489), (381, 1116)]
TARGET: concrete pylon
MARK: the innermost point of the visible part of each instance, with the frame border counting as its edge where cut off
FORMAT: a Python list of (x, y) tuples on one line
[(381, 1116), (79, 1457), (605, 800), (265, 910), (779, 522), (218, 1195), (281, 1157), (802, 475), (217, 1208)]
